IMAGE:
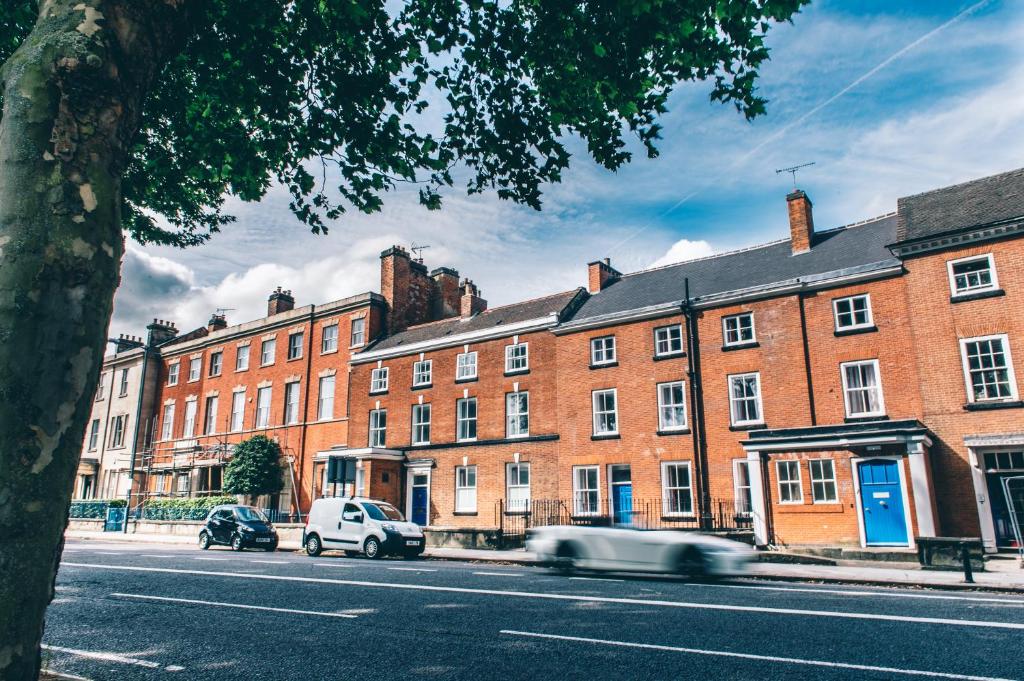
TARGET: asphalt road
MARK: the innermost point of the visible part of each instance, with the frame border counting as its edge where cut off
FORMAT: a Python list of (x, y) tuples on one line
[(125, 611)]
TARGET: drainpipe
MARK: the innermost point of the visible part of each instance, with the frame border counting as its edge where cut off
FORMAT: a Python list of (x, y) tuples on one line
[(305, 415), (807, 357), (700, 450), (135, 430)]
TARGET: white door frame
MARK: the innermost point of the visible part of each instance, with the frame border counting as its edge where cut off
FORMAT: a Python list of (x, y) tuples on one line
[(612, 486), (855, 463), (411, 472)]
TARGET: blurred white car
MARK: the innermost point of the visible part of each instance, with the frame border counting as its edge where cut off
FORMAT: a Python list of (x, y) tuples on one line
[(571, 547)]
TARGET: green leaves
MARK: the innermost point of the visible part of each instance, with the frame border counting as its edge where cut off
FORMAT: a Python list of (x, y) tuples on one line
[(339, 101), (254, 468)]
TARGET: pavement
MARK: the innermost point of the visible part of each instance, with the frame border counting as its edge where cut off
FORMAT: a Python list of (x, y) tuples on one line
[(1002, 574), (145, 611)]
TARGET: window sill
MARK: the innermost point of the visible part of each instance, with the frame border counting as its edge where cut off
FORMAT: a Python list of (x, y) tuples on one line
[(608, 436), (472, 379), (423, 386), (748, 426), (865, 418), (378, 392), (270, 364), (986, 406), (673, 355), (210, 376), (356, 346), (604, 365), (238, 371), (980, 295), (329, 352), (855, 331), (678, 517), (518, 372), (465, 513), (294, 359), (740, 346), (678, 431)]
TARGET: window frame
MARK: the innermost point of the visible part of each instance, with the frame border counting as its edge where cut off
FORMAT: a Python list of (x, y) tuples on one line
[(799, 481), (736, 487), (608, 343), (122, 390), (595, 413), (376, 427), (460, 419), (295, 349), (272, 342), (320, 401), (661, 407), (509, 398), (94, 435), (577, 509), (328, 344), (462, 362), (379, 375), (1010, 375), (758, 397), (422, 368), (463, 485), (823, 481), (509, 349), (958, 293), (167, 422), (519, 505), (216, 363), (241, 412), (188, 429), (292, 409), (669, 352), (666, 490), (210, 414), (266, 410), (853, 313), (101, 381), (846, 388), (195, 369), (173, 373), (739, 329), (420, 409), (118, 431), (239, 354), (352, 332)]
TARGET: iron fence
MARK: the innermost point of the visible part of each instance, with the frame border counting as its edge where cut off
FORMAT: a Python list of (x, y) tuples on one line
[(514, 518)]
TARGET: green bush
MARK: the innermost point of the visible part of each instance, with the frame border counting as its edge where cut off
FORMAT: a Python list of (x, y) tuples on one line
[(255, 468), (195, 508), (93, 508)]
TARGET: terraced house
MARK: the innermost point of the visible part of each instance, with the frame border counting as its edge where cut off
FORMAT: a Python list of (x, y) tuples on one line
[(850, 386)]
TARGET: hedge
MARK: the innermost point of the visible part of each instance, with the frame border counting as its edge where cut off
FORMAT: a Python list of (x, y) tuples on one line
[(93, 508), (195, 508)]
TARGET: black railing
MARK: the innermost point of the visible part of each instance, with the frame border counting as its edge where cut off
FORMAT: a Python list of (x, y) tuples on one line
[(515, 517)]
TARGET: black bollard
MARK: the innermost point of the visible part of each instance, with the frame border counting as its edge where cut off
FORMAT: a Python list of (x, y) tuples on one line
[(965, 556)]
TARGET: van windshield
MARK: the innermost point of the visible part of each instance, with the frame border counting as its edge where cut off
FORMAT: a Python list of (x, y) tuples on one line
[(380, 511)]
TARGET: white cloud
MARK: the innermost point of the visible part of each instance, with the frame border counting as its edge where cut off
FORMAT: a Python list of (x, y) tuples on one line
[(684, 250)]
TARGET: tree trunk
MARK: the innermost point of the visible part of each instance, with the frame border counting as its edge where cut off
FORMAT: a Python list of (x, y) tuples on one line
[(73, 94)]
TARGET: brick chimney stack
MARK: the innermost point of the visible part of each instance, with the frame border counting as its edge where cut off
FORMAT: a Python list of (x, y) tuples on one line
[(600, 274), (801, 221), (126, 342), (472, 303), (279, 301), (217, 322), (446, 292), (161, 331)]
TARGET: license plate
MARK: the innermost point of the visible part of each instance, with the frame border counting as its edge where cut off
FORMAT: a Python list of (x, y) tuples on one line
[(265, 540), (412, 543)]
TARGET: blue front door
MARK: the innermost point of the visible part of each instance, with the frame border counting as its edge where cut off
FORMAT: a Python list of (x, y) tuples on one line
[(622, 495), (882, 503), (420, 498)]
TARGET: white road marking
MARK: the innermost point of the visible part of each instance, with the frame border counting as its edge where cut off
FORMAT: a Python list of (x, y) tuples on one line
[(411, 569), (344, 565), (240, 606), (66, 676), (568, 597), (841, 592), (216, 559), (271, 562), (156, 555), (106, 657), (759, 658), (500, 574), (598, 579)]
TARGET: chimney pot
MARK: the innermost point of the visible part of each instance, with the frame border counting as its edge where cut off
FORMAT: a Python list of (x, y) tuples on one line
[(801, 221), (600, 274), (280, 301)]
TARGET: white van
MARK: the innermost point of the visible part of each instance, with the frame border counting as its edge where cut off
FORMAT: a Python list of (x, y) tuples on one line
[(358, 525)]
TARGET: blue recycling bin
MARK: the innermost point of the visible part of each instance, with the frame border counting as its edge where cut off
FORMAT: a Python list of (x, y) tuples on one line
[(115, 520)]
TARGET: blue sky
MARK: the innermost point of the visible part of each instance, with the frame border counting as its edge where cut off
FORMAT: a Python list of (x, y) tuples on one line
[(946, 105)]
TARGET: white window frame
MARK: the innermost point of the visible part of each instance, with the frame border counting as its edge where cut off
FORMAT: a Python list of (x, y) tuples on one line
[(100, 390), (272, 344), (418, 423), (118, 431), (798, 481), (956, 292), (167, 423), (738, 329), (511, 358), (662, 407), (325, 399), (244, 351), (262, 415), (737, 464), (296, 347), (123, 388), (516, 501), (357, 337), (329, 343), (423, 373), (466, 366), (733, 400), (379, 378), (195, 369), (578, 492), (597, 414), (839, 326), (1010, 376), (173, 373), (94, 435), (191, 410), (603, 351), (823, 481), (514, 398), (378, 428), (210, 407), (237, 411), (847, 389), (667, 340), (292, 400), (461, 418), (216, 363), (465, 489), (666, 490)]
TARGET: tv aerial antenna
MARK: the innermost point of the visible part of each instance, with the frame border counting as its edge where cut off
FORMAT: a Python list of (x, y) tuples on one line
[(224, 310), (792, 170), (417, 250)]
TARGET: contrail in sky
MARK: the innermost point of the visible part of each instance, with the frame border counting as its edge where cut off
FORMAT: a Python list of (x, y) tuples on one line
[(792, 124)]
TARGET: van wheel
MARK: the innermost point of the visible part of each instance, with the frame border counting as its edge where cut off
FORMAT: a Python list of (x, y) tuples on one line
[(236, 543), (691, 562), (565, 557), (371, 547), (204, 541), (313, 545)]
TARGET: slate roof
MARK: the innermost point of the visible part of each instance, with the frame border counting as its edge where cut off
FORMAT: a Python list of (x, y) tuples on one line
[(488, 319), (971, 204), (858, 247)]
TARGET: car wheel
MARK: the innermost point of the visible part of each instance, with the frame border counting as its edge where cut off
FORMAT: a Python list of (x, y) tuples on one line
[(371, 547), (313, 545), (204, 541), (566, 557), (691, 562), (351, 554), (236, 543)]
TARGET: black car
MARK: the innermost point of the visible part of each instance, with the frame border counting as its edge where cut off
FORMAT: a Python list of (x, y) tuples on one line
[(239, 527)]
